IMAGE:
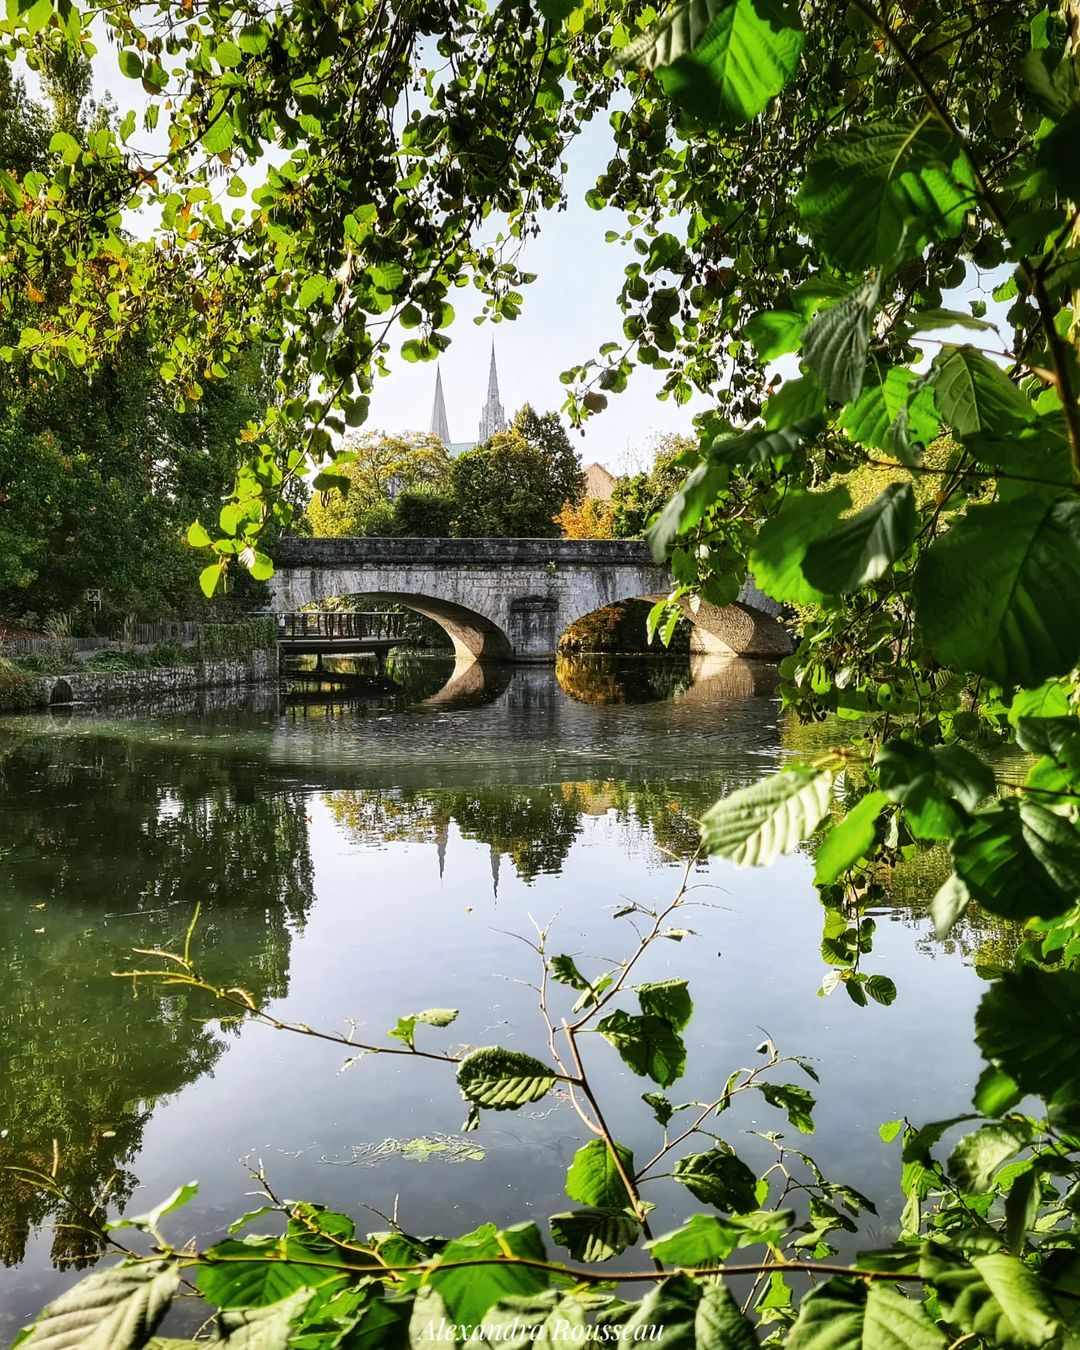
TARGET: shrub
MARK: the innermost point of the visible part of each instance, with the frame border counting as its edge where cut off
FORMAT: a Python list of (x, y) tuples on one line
[(17, 689), (237, 640)]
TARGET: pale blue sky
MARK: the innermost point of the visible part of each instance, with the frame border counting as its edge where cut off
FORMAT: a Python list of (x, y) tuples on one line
[(569, 311)]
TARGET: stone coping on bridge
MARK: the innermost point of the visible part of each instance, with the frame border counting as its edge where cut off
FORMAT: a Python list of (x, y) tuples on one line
[(293, 551)]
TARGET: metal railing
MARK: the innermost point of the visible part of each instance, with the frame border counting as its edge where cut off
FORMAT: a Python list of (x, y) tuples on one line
[(342, 625)]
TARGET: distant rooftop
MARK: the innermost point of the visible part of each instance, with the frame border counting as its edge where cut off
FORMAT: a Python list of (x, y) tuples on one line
[(599, 482)]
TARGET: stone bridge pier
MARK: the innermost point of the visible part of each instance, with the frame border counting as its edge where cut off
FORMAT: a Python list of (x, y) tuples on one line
[(511, 599)]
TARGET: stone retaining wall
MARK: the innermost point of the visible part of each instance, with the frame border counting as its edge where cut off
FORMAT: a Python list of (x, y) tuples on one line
[(125, 686)]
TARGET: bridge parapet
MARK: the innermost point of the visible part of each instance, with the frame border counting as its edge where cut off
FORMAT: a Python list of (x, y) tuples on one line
[(297, 552)]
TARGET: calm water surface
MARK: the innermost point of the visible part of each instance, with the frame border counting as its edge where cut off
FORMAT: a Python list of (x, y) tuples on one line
[(369, 854)]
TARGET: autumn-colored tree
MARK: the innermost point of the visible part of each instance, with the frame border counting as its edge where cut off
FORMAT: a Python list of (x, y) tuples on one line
[(592, 518)]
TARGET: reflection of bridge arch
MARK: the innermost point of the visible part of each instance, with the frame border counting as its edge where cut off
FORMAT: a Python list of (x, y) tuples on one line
[(511, 599)]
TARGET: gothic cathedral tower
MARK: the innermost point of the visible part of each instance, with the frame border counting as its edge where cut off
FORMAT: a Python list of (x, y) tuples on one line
[(492, 418)]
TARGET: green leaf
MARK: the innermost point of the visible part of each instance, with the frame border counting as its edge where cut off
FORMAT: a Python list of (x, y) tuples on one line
[(995, 1298), (881, 989), (775, 332), (1020, 860), (777, 554), (130, 64), (114, 1309), (66, 146), (999, 594), (594, 1234), (719, 1324), (947, 906), (837, 340), (594, 1180), (387, 276), (850, 840), (470, 1291), (852, 1315), (515, 1322), (261, 567), (432, 1017), (661, 1108), (795, 402), (771, 444), (881, 187), (755, 825), (871, 419), (973, 394), (503, 1080), (795, 1101), (268, 1328), (330, 481), (209, 578), (649, 1045), (153, 1217), (707, 1239), (720, 1179), (864, 546), (1048, 700), (1051, 79), (254, 1272), (557, 10), (197, 537), (1022, 1209), (977, 1156), (937, 788), (219, 134), (314, 288), (685, 508), (1028, 1025), (721, 59), (669, 999), (996, 1092)]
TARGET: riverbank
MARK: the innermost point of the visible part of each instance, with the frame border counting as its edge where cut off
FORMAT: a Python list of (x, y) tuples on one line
[(221, 656), (21, 692)]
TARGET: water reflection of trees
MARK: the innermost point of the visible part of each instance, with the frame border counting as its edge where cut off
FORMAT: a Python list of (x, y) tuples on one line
[(108, 847), (535, 827)]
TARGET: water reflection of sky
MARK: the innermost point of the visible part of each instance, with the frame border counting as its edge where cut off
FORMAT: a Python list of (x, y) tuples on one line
[(373, 859)]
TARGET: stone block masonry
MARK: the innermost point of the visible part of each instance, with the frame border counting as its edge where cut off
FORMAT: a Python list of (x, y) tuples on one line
[(157, 684)]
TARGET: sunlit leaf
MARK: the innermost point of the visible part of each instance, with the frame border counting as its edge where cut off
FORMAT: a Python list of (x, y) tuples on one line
[(883, 188), (724, 60), (115, 1309), (999, 593), (503, 1080), (753, 826)]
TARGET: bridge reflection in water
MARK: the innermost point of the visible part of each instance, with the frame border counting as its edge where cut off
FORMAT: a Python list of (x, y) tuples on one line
[(414, 679)]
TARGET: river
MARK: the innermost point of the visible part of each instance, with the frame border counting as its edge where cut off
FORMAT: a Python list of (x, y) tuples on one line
[(368, 854)]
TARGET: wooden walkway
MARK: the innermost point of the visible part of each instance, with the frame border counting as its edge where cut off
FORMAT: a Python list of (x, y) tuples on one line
[(339, 633)]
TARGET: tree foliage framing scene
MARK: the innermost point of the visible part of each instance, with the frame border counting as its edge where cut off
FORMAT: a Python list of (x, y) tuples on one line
[(855, 231)]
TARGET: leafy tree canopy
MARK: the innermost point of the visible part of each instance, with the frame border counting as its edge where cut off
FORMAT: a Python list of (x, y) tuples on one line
[(516, 483), (369, 473)]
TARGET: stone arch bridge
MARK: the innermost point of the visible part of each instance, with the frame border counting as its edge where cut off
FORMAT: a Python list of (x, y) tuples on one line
[(511, 599)]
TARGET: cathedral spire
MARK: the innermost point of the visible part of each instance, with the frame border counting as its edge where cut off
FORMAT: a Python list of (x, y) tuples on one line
[(439, 425), (492, 419)]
